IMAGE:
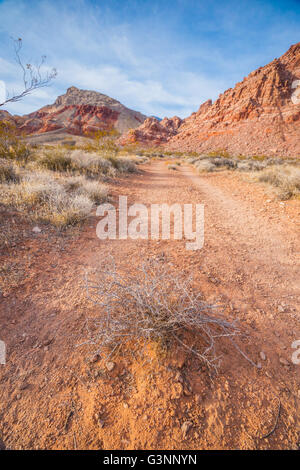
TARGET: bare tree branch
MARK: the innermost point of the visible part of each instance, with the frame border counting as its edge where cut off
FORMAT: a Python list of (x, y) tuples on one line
[(32, 75)]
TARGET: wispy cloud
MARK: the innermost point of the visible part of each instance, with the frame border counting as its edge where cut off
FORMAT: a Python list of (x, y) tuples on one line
[(161, 58)]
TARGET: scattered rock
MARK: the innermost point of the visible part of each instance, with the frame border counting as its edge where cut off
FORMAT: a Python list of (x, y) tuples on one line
[(99, 420), (48, 341), (110, 366), (94, 359), (36, 229), (23, 386), (178, 377), (283, 361), (198, 399), (101, 423), (262, 355), (186, 427)]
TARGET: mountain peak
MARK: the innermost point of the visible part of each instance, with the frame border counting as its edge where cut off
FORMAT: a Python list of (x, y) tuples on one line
[(80, 112)]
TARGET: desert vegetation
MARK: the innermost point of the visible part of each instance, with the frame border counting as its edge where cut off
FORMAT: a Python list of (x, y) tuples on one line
[(154, 304), (56, 184), (281, 173), (286, 179)]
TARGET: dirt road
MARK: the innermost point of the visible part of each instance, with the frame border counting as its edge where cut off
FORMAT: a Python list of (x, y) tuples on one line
[(56, 395)]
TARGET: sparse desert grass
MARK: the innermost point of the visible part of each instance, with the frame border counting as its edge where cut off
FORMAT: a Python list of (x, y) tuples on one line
[(7, 172), (62, 201), (152, 305), (95, 191), (122, 164), (79, 161), (212, 162), (285, 178), (250, 165), (12, 146), (56, 160), (91, 164), (205, 166), (57, 184), (282, 173)]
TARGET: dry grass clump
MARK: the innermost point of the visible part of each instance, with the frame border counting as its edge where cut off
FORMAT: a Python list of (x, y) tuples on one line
[(56, 160), (62, 201), (282, 173), (205, 166), (91, 164), (286, 179), (95, 191), (153, 304), (82, 162), (139, 159), (12, 146), (122, 164), (7, 172), (206, 163), (251, 165)]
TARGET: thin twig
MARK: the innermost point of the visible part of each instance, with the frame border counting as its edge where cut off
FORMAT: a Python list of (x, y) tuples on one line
[(276, 421)]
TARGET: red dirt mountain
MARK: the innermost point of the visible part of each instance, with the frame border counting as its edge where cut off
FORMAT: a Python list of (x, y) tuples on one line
[(152, 131), (78, 112), (260, 115)]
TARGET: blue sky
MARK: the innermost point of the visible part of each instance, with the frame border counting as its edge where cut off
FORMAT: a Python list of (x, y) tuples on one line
[(159, 57)]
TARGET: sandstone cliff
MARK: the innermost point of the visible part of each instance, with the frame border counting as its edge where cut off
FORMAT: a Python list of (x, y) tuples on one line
[(260, 115)]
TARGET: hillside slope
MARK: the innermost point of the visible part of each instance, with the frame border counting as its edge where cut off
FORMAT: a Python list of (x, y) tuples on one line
[(260, 115), (79, 112)]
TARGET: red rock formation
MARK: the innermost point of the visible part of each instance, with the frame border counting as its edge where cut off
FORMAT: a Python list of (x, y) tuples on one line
[(78, 112), (152, 132), (260, 115)]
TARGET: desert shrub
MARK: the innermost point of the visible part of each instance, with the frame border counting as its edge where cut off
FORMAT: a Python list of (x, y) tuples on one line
[(223, 162), (219, 153), (172, 167), (91, 164), (250, 165), (138, 159), (259, 158), (286, 179), (62, 201), (95, 191), (12, 145), (122, 164), (66, 210), (56, 160), (36, 188), (153, 304), (205, 166), (7, 172)]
